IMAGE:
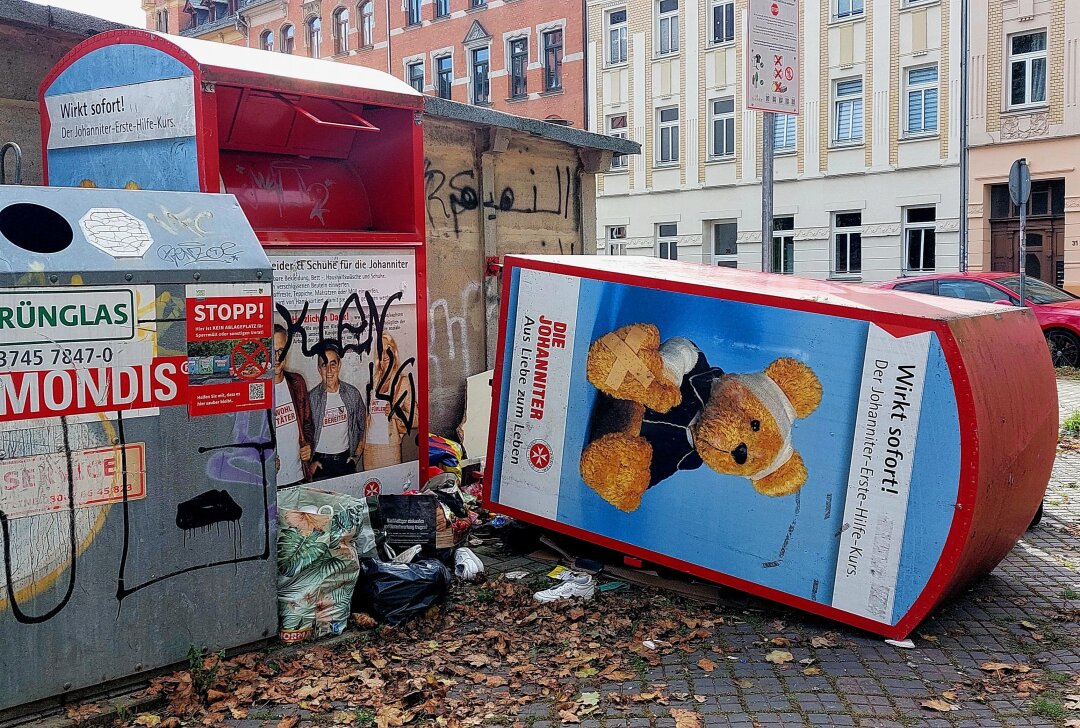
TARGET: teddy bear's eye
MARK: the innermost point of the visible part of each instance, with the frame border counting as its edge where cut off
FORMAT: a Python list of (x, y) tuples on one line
[(755, 425)]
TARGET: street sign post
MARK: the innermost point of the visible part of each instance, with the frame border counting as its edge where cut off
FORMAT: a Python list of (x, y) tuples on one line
[(1020, 193), (772, 86)]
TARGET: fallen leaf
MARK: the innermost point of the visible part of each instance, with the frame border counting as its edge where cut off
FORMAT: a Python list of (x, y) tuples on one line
[(288, 721), (949, 695), (929, 637), (779, 657), (811, 671), (820, 642), (170, 723), (238, 713), (343, 717), (216, 696), (686, 718), (706, 664), (1028, 625), (149, 720), (586, 672), (1037, 636), (1003, 666), (940, 706), (589, 698), (744, 683), (364, 621), (1072, 723), (781, 641), (568, 716)]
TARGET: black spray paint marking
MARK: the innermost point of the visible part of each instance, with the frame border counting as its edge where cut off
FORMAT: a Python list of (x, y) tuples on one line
[(364, 338), (16, 610), (787, 539)]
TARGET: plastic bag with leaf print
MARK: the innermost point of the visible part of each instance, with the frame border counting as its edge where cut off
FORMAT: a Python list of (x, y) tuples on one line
[(321, 538)]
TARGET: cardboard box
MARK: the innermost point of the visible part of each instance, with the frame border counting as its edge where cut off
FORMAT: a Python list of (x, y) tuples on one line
[(858, 453)]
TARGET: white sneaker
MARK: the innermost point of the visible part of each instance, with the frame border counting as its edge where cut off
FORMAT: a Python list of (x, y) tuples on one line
[(576, 585), (467, 565)]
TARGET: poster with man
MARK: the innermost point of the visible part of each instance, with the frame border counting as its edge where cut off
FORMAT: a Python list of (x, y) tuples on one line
[(345, 370)]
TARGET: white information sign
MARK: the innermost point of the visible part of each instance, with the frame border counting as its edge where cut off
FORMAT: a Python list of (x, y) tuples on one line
[(879, 480), (541, 368), (138, 112), (772, 67)]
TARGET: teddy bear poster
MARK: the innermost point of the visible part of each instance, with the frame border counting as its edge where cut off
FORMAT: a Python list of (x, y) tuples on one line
[(713, 432)]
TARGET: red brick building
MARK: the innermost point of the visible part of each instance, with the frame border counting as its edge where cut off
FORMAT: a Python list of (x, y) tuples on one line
[(525, 57)]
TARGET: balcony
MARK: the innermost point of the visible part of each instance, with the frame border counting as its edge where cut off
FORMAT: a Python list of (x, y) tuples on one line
[(206, 16)]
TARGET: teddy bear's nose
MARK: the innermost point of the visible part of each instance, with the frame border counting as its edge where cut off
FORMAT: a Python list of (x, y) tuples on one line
[(739, 454)]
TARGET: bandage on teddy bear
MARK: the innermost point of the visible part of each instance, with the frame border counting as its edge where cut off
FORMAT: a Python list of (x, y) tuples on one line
[(858, 453)]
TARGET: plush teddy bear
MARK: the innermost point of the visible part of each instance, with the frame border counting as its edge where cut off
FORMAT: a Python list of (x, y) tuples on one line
[(663, 408)]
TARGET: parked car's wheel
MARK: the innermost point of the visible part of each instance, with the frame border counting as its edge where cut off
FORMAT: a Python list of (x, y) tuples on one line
[(1064, 348)]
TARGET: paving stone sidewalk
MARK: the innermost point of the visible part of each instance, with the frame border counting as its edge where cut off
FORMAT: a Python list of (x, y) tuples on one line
[(1025, 612)]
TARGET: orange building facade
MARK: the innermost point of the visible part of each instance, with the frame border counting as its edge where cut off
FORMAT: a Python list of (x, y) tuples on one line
[(517, 56)]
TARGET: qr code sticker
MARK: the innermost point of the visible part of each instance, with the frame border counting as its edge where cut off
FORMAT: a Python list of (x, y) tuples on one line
[(257, 391)]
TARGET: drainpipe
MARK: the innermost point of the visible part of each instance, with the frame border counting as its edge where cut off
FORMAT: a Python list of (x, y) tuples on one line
[(585, 65), (389, 56)]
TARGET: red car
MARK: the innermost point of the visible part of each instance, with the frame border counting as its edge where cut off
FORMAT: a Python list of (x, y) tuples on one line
[(1057, 311)]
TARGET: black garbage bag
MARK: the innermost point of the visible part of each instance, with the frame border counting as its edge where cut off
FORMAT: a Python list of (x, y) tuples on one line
[(393, 593)]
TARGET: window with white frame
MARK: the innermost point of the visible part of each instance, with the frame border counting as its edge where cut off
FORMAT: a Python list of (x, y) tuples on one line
[(367, 23), (723, 21), (848, 9), (314, 36), (553, 57), (481, 89), (444, 76), (616, 124), (847, 243), (667, 241), (341, 30), (1027, 69), (616, 36), (848, 111), (667, 27), (416, 75), (616, 240), (920, 239), (725, 243), (785, 132), (783, 245), (667, 135), (722, 128), (922, 101), (519, 67)]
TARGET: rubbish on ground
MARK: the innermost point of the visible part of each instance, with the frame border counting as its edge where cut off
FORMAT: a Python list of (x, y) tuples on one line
[(321, 537), (649, 644), (575, 585), (903, 644), (473, 430), (422, 519), (611, 586), (395, 592), (573, 562), (405, 557), (467, 565), (516, 575), (557, 572)]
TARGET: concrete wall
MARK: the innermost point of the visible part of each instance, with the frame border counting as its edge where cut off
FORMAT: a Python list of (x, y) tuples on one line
[(482, 202)]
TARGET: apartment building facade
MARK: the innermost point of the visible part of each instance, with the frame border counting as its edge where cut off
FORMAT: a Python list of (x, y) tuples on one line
[(519, 56), (1025, 71), (867, 175)]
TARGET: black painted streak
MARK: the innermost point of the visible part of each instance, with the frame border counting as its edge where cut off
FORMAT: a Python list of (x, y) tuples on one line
[(206, 509), (787, 539)]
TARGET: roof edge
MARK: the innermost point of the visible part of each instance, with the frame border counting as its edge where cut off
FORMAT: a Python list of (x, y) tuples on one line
[(47, 16), (444, 109)]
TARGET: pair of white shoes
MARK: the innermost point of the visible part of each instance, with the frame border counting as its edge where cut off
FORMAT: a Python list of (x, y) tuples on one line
[(575, 585)]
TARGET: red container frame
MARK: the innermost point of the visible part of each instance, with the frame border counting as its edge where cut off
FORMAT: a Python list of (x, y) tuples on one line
[(985, 526)]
